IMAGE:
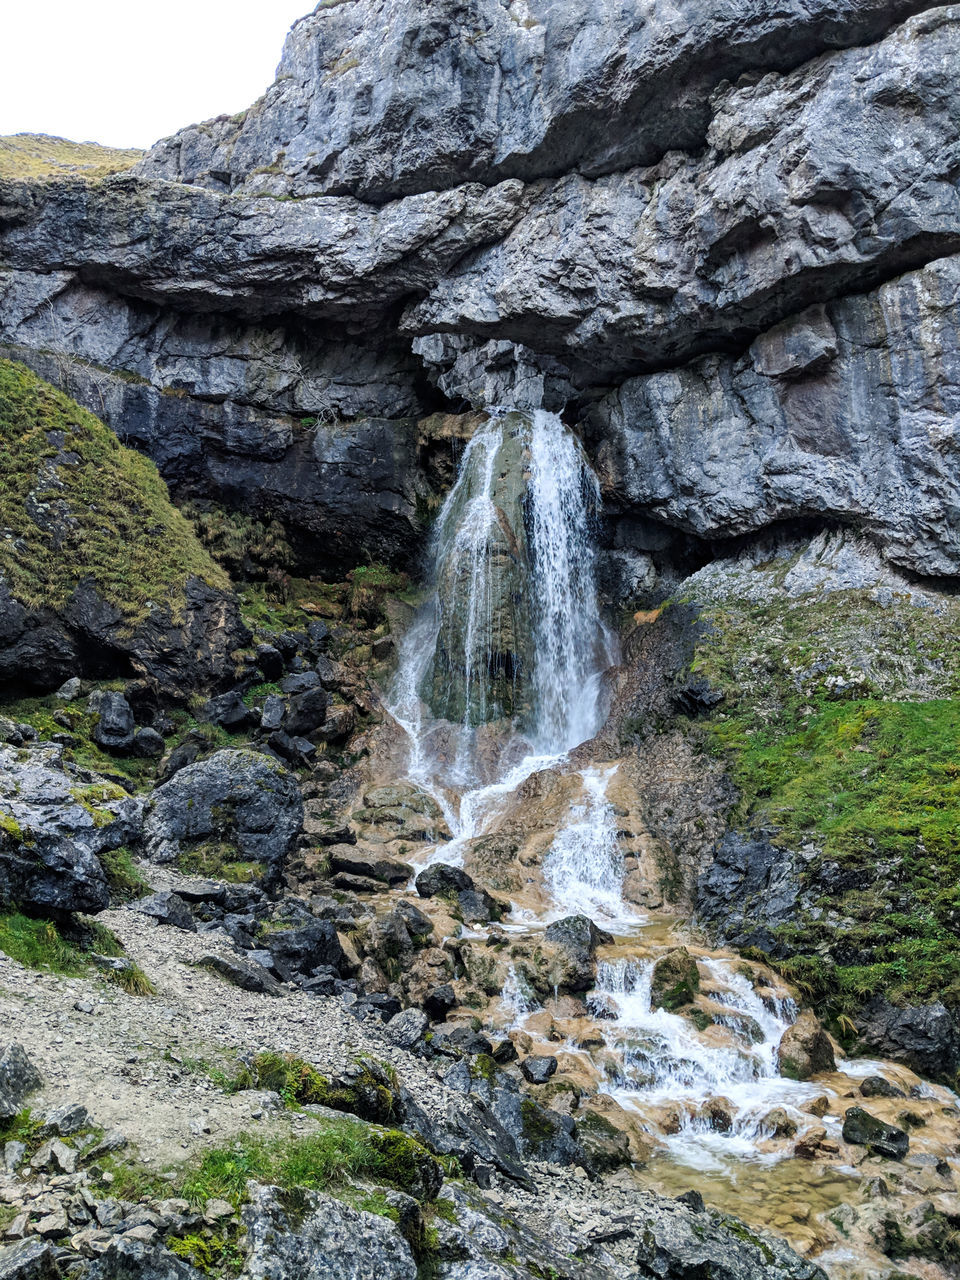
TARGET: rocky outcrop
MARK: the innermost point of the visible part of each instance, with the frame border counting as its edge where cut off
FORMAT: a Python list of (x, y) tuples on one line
[(604, 199), (55, 822), (925, 1038), (243, 802)]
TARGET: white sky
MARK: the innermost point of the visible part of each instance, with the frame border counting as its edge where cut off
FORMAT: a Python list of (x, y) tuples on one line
[(125, 72)]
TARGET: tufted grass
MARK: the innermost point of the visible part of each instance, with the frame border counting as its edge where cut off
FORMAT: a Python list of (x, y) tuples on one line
[(39, 155), (112, 514)]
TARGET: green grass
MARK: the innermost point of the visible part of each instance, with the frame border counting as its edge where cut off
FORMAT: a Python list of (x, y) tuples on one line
[(841, 726), (37, 155), (41, 945), (126, 882), (116, 524), (39, 712)]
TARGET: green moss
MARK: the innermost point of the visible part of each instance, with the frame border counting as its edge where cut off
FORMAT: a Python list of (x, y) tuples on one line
[(116, 524), (83, 751), (536, 1124), (212, 1252), (217, 860), (125, 881), (9, 826)]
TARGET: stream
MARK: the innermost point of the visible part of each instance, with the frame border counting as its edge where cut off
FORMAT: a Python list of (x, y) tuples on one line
[(500, 694)]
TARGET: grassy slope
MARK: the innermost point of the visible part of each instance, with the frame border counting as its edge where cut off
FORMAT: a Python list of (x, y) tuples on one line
[(36, 155), (862, 760), (110, 508)]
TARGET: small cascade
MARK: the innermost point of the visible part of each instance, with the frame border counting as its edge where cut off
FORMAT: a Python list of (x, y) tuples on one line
[(584, 869), (516, 1003)]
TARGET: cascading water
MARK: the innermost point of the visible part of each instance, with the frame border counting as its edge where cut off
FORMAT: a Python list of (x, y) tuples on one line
[(584, 869), (513, 634)]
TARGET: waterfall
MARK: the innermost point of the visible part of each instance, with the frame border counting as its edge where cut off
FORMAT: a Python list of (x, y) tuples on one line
[(512, 636)]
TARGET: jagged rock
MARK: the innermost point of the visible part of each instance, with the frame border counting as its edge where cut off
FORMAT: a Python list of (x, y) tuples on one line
[(749, 888), (538, 1069), (132, 1259), (247, 976), (805, 1049), (30, 1259), (879, 1138), (228, 711), (438, 1002), (65, 1120), (408, 1028), (478, 905), (167, 907), (306, 711), (271, 717), (296, 951), (322, 1237), (148, 743), (242, 797), (18, 1078), (55, 828), (606, 1147), (678, 1242), (270, 661), (925, 1038), (675, 980)]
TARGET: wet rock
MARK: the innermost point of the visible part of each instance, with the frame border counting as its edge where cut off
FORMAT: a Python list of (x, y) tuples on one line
[(538, 1068), (18, 1078), (878, 1087), (717, 1113), (750, 888), (805, 1049), (576, 939), (440, 880), (880, 1139), (779, 1123), (241, 973), (925, 1038), (675, 980), (476, 905), (316, 1235), (606, 1147), (241, 797), (167, 907)]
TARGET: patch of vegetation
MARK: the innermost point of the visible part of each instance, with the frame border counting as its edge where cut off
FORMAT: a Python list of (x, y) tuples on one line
[(841, 723), (42, 945), (125, 881), (114, 522), (37, 155), (22, 1127), (74, 720), (215, 1253), (217, 860), (244, 546), (370, 584)]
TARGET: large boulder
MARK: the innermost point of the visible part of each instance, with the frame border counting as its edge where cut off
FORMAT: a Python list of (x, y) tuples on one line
[(925, 1038), (321, 1237), (675, 980), (242, 799), (805, 1049), (98, 569), (576, 939), (30, 1259), (55, 821), (880, 1138)]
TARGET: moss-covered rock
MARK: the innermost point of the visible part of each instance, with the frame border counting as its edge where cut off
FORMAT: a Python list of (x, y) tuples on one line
[(98, 570), (675, 980)]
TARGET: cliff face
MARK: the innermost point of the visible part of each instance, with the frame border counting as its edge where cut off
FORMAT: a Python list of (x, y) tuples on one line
[(724, 239)]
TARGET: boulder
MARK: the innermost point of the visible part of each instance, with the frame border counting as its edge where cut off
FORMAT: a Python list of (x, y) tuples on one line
[(115, 725), (167, 907), (148, 743), (30, 1259), (878, 1087), (242, 798), (321, 1237), (355, 861), (606, 1147), (300, 951), (127, 1258), (18, 1078), (243, 974), (438, 1002), (306, 711), (538, 1069), (270, 661), (408, 1028), (805, 1049), (675, 980), (476, 905), (880, 1139), (229, 711), (925, 1038), (439, 880)]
